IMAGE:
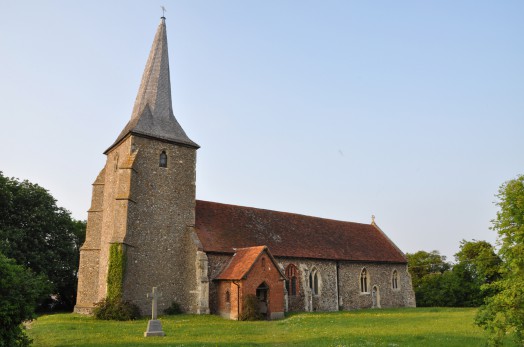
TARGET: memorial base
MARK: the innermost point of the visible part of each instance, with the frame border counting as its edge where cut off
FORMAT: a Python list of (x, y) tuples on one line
[(154, 328)]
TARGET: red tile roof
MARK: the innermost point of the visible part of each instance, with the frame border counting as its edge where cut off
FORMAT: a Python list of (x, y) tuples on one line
[(222, 227), (242, 262)]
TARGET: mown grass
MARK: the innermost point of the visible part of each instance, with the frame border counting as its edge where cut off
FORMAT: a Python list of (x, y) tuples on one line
[(388, 327)]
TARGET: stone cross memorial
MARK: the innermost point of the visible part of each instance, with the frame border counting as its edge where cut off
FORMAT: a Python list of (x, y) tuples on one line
[(154, 326)]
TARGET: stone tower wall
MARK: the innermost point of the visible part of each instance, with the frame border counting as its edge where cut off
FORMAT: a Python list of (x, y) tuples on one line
[(160, 250)]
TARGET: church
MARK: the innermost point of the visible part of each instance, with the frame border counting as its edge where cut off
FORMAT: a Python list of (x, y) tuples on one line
[(146, 229)]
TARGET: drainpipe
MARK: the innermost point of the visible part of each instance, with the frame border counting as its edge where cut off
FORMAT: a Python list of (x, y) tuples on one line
[(338, 287), (238, 299)]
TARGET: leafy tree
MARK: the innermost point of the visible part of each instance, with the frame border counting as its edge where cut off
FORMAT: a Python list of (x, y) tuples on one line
[(41, 236), (438, 283), (20, 289), (438, 289), (477, 265), (422, 263), (503, 313)]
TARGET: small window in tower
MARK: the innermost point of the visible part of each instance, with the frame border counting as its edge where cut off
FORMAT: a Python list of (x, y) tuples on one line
[(228, 297), (163, 159), (116, 162)]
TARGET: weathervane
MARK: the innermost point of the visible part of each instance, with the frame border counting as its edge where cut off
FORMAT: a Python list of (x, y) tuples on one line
[(163, 11)]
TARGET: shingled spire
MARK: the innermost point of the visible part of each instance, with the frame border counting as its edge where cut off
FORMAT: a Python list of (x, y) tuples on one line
[(153, 111)]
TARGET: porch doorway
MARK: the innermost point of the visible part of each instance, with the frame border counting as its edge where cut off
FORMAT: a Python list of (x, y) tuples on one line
[(263, 302)]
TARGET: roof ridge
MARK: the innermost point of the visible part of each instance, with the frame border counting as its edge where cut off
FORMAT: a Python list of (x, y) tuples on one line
[(283, 212)]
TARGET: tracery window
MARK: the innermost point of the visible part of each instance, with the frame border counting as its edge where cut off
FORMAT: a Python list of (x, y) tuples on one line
[(364, 279), (163, 159), (292, 283), (394, 280)]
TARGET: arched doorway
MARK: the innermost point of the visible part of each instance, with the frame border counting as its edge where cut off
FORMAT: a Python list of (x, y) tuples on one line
[(375, 296), (263, 299)]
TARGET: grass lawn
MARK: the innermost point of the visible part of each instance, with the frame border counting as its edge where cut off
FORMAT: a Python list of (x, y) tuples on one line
[(388, 327)]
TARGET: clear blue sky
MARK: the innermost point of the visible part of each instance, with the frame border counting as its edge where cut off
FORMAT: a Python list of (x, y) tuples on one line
[(409, 110)]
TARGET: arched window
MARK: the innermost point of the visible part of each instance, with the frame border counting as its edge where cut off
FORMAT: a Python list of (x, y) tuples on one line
[(364, 279), (163, 159), (228, 297), (315, 282), (292, 283), (263, 263), (394, 280)]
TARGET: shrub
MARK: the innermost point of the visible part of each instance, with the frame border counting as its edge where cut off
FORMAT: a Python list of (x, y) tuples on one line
[(116, 309), (250, 308), (173, 309), (20, 290)]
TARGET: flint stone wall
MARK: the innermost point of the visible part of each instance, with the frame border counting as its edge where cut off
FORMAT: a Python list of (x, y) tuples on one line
[(160, 251)]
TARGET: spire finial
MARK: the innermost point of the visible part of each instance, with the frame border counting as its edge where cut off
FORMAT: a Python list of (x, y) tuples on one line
[(372, 219), (163, 12)]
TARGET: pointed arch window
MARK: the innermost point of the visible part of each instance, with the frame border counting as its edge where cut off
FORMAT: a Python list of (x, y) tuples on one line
[(228, 297), (292, 283), (394, 280), (163, 159), (315, 282), (364, 281)]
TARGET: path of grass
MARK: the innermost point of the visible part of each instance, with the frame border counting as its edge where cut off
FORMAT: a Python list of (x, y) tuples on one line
[(390, 327)]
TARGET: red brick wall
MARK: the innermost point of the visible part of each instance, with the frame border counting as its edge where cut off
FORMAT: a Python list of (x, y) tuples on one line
[(269, 274), (255, 277), (227, 309)]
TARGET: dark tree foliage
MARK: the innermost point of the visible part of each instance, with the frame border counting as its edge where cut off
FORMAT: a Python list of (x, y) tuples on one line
[(477, 265), (20, 290), (503, 313), (439, 283), (41, 236), (423, 263)]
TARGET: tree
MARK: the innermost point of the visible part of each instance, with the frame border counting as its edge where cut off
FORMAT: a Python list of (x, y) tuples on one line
[(422, 263), (20, 290), (503, 312), (41, 236), (438, 283), (477, 265)]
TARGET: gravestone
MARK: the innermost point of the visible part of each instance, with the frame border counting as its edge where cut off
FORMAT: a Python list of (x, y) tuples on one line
[(154, 326)]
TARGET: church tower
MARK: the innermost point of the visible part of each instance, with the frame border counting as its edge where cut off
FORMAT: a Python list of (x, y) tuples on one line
[(140, 228)]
